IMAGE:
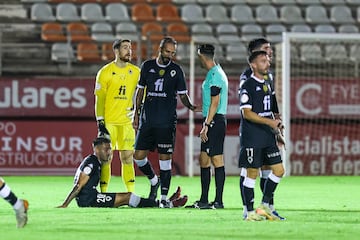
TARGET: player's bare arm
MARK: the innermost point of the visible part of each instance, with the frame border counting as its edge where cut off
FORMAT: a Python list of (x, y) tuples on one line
[(185, 99), (83, 179), (139, 96)]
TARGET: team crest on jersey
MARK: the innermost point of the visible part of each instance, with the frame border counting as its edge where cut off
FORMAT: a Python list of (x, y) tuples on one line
[(265, 88), (161, 72)]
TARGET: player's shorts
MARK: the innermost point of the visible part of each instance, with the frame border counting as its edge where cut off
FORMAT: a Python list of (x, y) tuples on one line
[(257, 157), (149, 138), (96, 199), (216, 136), (122, 136)]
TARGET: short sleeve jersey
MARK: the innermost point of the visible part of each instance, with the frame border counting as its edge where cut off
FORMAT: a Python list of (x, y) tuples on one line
[(162, 83), (91, 167), (269, 78), (215, 77), (118, 85), (256, 95)]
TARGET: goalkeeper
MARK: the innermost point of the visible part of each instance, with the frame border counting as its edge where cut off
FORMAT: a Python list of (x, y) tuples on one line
[(114, 90)]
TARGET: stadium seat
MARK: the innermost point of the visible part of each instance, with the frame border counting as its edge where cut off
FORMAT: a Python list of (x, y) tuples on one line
[(82, 1), (324, 28), (215, 13), (336, 52), (127, 30), (311, 53), (233, 2), (92, 12), (227, 33), (353, 2), (67, 12), (203, 33), (283, 2), (332, 2), (300, 28), (208, 2), (354, 53), (273, 32), (179, 31), (266, 14), (291, 14), (52, 32), (307, 2), (152, 31), (88, 52), (250, 31), (192, 13), (116, 12), (42, 12), (348, 28), (241, 14), (181, 2), (257, 2), (142, 12), (167, 12), (316, 14), (340, 14), (236, 52), (158, 1), (62, 52), (102, 32), (107, 53), (78, 32), (183, 52)]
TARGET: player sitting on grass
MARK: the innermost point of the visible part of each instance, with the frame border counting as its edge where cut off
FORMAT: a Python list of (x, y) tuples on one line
[(87, 179)]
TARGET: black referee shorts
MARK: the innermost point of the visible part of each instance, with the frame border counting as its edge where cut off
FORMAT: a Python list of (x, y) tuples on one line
[(216, 136)]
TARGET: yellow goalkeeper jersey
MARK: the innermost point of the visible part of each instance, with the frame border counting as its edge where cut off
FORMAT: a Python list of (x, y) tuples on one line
[(114, 89)]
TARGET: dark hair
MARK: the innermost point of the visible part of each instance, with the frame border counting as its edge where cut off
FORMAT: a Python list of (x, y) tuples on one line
[(117, 43), (206, 49), (167, 39), (255, 54), (100, 140), (256, 44)]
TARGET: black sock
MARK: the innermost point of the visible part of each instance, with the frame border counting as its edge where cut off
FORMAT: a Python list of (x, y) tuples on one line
[(12, 199), (147, 170), (145, 202), (249, 198), (269, 189), (205, 184), (219, 183), (262, 184), (242, 189), (165, 179)]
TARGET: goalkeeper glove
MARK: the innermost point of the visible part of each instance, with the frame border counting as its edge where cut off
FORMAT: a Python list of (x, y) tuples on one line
[(102, 131)]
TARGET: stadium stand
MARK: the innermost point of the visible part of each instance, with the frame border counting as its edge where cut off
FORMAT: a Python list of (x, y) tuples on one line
[(62, 52), (335, 52), (104, 20), (87, 52)]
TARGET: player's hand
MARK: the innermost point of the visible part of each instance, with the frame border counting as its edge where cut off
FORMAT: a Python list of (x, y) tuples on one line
[(277, 116), (102, 131), (197, 108), (135, 122), (280, 140), (130, 112), (203, 133)]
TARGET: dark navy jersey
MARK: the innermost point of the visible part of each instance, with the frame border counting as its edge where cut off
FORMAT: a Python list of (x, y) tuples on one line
[(257, 95), (162, 83), (91, 167), (268, 77)]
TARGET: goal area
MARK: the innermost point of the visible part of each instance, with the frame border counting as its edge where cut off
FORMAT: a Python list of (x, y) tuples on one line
[(318, 89)]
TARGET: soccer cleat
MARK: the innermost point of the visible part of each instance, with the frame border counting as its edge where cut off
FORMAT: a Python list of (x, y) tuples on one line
[(276, 216), (153, 190), (200, 205), (253, 216), (21, 213), (217, 205), (180, 202), (165, 204), (176, 194), (264, 211)]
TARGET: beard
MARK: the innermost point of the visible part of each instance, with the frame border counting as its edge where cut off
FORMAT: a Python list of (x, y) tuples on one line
[(125, 58), (165, 60)]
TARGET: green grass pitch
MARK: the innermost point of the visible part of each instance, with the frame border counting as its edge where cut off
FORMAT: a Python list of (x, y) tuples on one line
[(315, 208)]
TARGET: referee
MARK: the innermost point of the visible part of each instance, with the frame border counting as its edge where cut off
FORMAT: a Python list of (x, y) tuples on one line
[(212, 134)]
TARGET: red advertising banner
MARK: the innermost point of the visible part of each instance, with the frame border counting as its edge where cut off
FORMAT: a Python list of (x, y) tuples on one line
[(44, 147), (325, 149), (73, 97), (325, 98)]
